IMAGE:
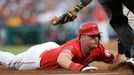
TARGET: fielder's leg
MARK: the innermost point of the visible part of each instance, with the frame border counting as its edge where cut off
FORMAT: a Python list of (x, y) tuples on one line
[(119, 23), (130, 62), (126, 35), (130, 5)]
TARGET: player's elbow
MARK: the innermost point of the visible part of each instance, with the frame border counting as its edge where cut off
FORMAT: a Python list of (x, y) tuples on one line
[(109, 60)]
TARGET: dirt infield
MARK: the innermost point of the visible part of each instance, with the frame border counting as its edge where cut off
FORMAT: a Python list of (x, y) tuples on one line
[(102, 68)]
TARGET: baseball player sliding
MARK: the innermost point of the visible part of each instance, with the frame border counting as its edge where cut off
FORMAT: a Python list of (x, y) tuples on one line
[(118, 21), (75, 55)]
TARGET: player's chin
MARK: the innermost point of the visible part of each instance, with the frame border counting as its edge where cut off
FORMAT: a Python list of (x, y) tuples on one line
[(96, 45)]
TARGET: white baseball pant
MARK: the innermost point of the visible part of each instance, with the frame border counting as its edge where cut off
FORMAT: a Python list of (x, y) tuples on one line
[(28, 60)]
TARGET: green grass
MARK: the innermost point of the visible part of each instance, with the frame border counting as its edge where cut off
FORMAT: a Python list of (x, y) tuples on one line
[(14, 49)]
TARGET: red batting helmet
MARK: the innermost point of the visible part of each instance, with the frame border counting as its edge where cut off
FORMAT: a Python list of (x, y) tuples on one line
[(89, 28)]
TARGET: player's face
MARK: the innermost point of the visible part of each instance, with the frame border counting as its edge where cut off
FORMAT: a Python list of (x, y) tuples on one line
[(92, 41)]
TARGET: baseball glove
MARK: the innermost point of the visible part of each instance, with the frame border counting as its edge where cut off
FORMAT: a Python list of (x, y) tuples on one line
[(66, 17)]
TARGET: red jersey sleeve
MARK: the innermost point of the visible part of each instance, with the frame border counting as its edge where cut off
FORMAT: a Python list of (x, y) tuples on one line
[(107, 55), (70, 50), (72, 47)]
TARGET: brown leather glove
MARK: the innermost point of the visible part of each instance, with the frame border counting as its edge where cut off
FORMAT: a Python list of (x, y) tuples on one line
[(66, 17)]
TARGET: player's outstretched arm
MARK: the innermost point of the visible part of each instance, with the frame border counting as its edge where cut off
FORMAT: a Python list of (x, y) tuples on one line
[(70, 15), (65, 61)]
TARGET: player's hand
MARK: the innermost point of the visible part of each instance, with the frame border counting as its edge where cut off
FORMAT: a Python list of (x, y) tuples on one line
[(55, 20), (66, 17), (89, 68)]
